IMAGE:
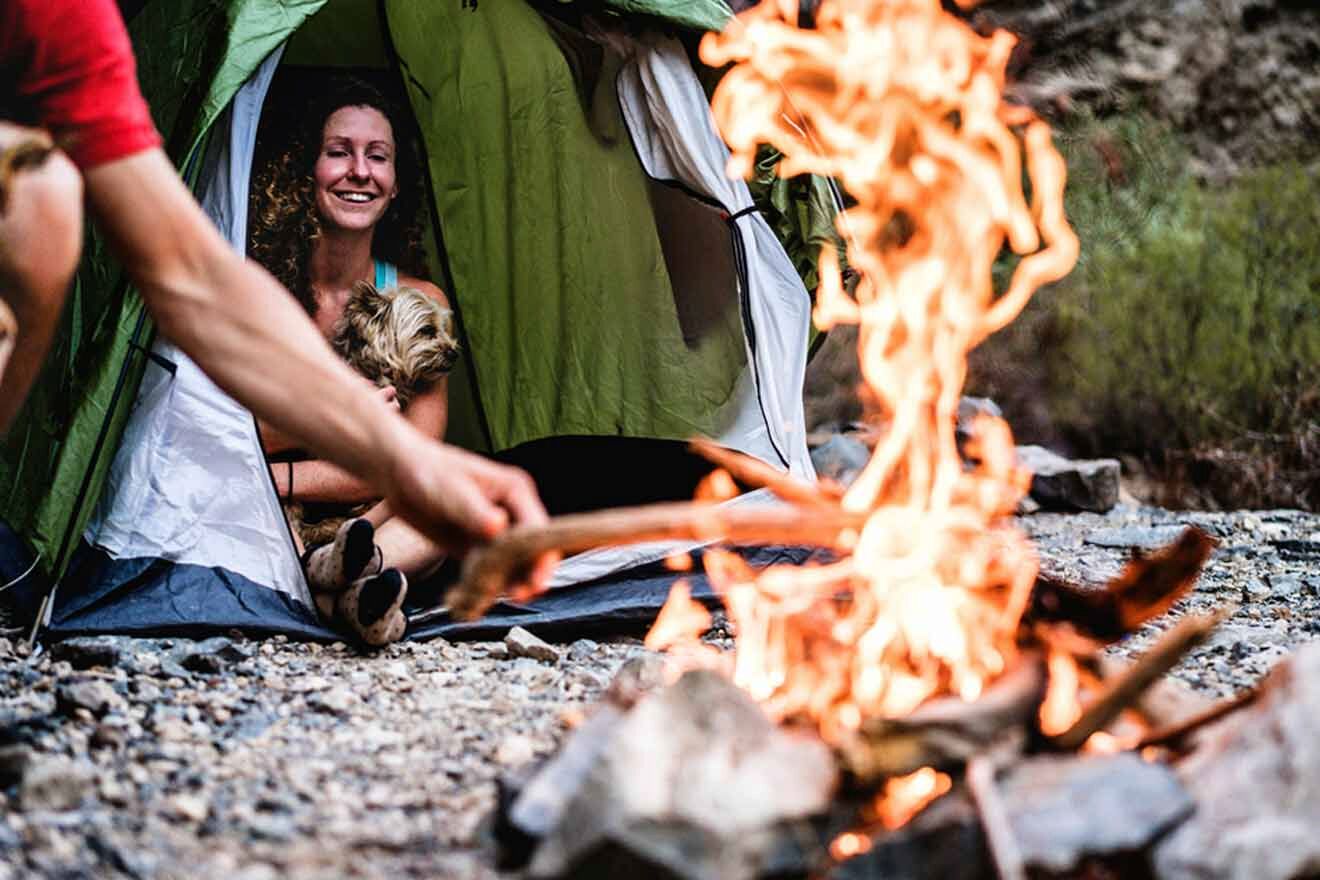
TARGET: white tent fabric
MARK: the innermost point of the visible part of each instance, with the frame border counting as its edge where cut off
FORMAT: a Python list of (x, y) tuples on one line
[(672, 128), (189, 483)]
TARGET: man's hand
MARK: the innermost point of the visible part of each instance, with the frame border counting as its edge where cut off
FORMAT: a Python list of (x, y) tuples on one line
[(459, 500)]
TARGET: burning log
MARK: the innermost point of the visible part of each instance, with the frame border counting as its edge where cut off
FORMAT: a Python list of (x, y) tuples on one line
[(948, 732), (1146, 588), (995, 820), (488, 572), (1177, 732)]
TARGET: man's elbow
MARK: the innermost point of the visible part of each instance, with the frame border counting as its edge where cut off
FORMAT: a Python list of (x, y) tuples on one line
[(180, 284)]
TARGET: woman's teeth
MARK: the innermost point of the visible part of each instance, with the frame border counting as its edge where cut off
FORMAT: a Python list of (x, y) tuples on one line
[(355, 197)]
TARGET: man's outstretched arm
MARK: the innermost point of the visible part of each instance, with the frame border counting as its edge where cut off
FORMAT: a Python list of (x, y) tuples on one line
[(253, 339)]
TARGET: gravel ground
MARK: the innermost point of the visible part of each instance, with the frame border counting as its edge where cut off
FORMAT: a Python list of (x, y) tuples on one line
[(243, 760)]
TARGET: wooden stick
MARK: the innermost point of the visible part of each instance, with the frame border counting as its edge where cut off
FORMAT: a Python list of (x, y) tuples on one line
[(1004, 851), (756, 473), (1172, 733), (1127, 688), (489, 571)]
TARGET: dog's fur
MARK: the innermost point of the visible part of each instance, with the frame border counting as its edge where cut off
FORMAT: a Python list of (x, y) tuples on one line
[(398, 336)]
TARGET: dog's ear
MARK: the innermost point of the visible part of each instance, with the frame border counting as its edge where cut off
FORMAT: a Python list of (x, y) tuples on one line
[(361, 309), (366, 300)]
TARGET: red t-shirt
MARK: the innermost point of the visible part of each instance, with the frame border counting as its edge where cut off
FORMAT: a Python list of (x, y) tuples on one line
[(67, 66)]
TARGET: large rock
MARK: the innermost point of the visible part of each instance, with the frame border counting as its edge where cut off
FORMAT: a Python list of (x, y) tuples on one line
[(1255, 778), (1066, 809), (1058, 483), (840, 458), (694, 782)]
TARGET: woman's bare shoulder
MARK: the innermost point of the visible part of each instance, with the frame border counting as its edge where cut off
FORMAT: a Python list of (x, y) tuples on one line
[(425, 287)]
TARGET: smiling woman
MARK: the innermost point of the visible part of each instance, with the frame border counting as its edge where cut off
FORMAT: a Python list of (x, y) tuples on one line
[(342, 143), (335, 214)]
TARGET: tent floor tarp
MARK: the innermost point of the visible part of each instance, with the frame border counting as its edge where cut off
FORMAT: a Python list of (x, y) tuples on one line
[(154, 597)]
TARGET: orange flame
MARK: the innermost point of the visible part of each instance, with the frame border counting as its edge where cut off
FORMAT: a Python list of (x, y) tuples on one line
[(717, 485), (849, 844), (682, 619), (1062, 704), (902, 103), (905, 796)]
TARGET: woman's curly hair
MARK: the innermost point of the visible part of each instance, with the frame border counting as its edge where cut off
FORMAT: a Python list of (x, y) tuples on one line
[(284, 224)]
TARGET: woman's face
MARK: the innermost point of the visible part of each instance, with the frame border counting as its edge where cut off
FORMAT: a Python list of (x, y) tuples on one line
[(355, 179)]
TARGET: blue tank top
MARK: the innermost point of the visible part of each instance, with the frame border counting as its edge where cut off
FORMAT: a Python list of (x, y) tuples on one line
[(387, 275)]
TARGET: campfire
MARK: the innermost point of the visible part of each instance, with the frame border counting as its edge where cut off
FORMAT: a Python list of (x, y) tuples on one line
[(928, 666)]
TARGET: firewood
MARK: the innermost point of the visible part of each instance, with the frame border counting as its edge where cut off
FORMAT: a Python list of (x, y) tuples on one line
[(489, 571), (1171, 734), (1145, 589), (1127, 688), (757, 474), (1163, 704), (947, 732), (1004, 851), (1149, 586)]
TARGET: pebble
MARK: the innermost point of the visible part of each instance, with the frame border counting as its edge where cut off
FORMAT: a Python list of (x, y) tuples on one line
[(190, 808), (55, 784), (515, 751), (521, 643), (334, 702), (96, 697)]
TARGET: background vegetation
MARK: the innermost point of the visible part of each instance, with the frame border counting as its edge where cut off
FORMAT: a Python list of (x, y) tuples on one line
[(1187, 340)]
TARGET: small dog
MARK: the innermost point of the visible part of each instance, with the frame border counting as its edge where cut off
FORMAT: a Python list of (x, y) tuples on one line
[(400, 337)]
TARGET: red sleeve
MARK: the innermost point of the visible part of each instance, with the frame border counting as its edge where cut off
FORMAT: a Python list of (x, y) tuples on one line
[(74, 72)]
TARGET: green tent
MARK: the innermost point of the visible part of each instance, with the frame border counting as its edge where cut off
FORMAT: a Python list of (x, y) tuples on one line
[(599, 296)]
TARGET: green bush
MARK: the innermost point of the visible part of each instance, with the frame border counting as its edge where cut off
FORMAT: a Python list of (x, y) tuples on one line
[(1188, 335)]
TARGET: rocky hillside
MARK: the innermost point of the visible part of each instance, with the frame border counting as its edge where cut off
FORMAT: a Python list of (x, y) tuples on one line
[(1239, 78)]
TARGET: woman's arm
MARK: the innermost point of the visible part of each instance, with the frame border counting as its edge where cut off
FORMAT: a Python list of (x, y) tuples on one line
[(319, 481)]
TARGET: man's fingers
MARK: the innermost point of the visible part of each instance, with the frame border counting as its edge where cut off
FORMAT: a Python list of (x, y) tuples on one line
[(516, 492), (478, 514)]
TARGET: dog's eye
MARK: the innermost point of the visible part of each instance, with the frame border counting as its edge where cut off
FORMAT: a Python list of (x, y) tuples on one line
[(426, 331)]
